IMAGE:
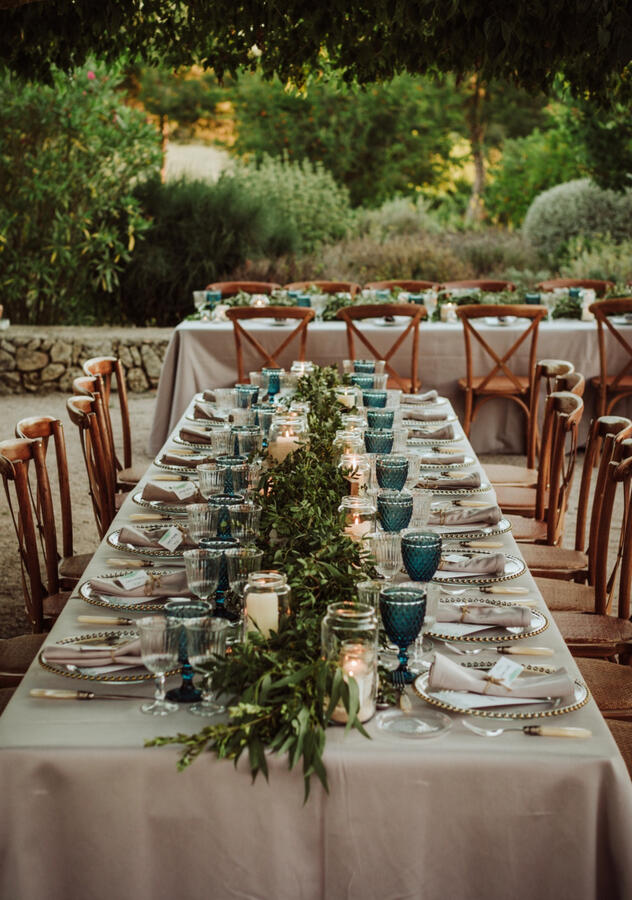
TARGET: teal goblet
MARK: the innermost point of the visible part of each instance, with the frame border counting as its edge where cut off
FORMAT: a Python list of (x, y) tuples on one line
[(403, 614), (378, 440), (394, 509), (391, 471), (374, 398), (421, 554)]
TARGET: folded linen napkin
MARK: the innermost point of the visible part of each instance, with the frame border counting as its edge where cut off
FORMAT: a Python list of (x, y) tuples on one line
[(195, 436), (491, 564), (66, 654), (138, 538), (442, 459), (177, 494), (209, 416), (427, 397), (487, 515), (447, 675), (437, 415), (447, 482), (209, 396), (190, 462), (158, 584), (436, 434), (484, 614)]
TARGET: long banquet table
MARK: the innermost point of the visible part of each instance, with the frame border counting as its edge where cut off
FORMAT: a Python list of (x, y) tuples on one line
[(87, 811), (203, 353)]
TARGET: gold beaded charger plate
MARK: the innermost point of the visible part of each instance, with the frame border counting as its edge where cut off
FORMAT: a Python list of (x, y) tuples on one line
[(194, 446), (514, 568), (498, 635), (422, 404), (541, 710), (108, 601), (440, 490), (134, 675), (161, 506), (176, 470), (432, 423), (432, 441), (472, 531), (153, 531), (443, 462)]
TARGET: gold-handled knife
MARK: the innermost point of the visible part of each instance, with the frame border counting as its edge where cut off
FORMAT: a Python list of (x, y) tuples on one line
[(149, 517), (57, 694), (104, 620), (472, 504), (525, 651), (562, 731), (483, 545), (504, 589)]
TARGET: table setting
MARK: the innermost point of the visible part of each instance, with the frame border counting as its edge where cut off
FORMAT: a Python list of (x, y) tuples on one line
[(261, 693)]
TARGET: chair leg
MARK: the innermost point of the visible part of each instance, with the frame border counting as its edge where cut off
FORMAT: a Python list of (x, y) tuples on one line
[(467, 421)]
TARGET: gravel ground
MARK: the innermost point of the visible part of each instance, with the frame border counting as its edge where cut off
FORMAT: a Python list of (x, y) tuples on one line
[(12, 618)]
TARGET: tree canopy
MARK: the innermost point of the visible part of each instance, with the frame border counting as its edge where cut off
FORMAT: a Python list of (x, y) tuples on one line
[(527, 41)]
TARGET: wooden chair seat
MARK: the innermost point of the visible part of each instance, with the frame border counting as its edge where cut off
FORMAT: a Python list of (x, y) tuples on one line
[(16, 655), (566, 563), (73, 567), (54, 603), (526, 529), (131, 475), (518, 500), (511, 476), (5, 695), (610, 684), (622, 733), (498, 384), (566, 595), (595, 635), (624, 382)]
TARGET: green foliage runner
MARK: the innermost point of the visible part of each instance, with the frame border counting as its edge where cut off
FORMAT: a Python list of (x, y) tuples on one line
[(281, 692)]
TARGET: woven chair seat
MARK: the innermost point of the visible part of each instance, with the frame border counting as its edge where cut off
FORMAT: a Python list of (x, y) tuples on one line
[(554, 559), (517, 500), (524, 529), (624, 382), (5, 695), (607, 631), (16, 655), (502, 474), (622, 733), (54, 603), (609, 683), (566, 595), (131, 475), (498, 384), (73, 567)]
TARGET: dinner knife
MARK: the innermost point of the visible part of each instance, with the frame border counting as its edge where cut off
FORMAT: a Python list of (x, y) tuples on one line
[(57, 694), (104, 620), (123, 563), (525, 651)]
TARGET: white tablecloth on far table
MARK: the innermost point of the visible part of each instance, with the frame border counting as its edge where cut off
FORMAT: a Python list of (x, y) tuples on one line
[(88, 812), (202, 355)]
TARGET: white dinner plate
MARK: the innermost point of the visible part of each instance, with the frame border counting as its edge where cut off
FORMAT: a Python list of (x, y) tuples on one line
[(109, 601)]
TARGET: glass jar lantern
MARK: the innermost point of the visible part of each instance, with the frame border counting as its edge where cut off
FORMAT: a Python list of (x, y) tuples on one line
[(349, 441), (356, 468), (349, 633), (287, 433), (359, 517), (346, 395), (266, 598)]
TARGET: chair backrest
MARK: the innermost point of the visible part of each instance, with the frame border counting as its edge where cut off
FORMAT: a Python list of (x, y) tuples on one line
[(353, 314), (104, 369), (94, 444), (44, 428), (618, 476), (230, 288), (573, 382), (603, 310), (549, 372), (239, 314), (597, 285), (40, 578), (501, 365), (482, 284), (563, 413), (327, 287), (412, 286)]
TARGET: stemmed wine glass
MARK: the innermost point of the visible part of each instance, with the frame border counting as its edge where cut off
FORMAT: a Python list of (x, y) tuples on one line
[(206, 640), (159, 645), (181, 611), (241, 561), (421, 554), (202, 519), (403, 612), (202, 568)]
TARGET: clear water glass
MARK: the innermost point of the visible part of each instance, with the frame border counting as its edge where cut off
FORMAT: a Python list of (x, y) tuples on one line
[(202, 521), (159, 647), (241, 561), (369, 592), (202, 568), (422, 501), (225, 399), (393, 398), (400, 439), (244, 520), (385, 547), (414, 461), (211, 479), (206, 642)]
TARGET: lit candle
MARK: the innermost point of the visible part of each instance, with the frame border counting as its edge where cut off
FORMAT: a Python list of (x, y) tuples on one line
[(355, 468), (358, 661), (262, 612), (284, 444), (346, 397), (357, 528)]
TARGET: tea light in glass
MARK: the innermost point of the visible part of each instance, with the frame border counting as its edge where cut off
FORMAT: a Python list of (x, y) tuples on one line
[(346, 395), (359, 517), (266, 599), (286, 435), (448, 312), (349, 634), (356, 469), (259, 300), (346, 442), (302, 367)]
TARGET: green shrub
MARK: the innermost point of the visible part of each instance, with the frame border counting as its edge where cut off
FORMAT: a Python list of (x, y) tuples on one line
[(200, 232), (305, 194), (598, 257), (401, 216), (576, 208), (69, 156), (491, 251)]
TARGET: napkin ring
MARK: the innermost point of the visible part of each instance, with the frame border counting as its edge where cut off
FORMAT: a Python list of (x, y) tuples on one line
[(490, 679), (153, 581)]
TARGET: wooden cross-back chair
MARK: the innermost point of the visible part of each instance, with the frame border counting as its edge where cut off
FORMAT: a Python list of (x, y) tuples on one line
[(500, 381), (482, 284), (597, 285), (412, 287), (106, 370), (326, 287), (48, 429), (239, 314), (351, 315), (230, 288), (43, 599), (612, 387), (94, 445)]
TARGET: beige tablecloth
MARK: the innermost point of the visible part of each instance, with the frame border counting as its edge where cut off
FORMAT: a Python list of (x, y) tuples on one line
[(203, 354), (88, 812)]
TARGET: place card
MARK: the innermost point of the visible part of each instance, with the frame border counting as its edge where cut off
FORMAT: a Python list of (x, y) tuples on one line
[(505, 671), (183, 490), (172, 538), (133, 580)]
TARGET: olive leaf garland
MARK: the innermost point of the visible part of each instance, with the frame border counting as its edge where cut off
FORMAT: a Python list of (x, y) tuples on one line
[(280, 691)]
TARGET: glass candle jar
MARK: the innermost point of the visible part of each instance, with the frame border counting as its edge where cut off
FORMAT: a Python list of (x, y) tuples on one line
[(349, 633), (356, 468), (287, 433), (302, 367), (346, 442), (266, 598), (346, 395), (359, 517)]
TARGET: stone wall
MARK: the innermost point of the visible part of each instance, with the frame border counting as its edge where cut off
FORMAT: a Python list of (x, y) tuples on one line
[(39, 358)]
